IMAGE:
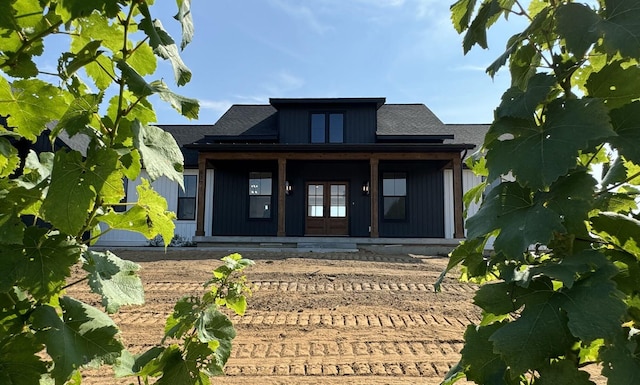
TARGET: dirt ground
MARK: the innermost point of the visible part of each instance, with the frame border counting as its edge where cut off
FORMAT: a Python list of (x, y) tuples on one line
[(314, 318)]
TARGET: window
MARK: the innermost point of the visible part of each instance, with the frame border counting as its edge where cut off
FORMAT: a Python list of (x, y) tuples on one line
[(260, 194), (187, 198), (394, 193), (122, 207), (327, 127)]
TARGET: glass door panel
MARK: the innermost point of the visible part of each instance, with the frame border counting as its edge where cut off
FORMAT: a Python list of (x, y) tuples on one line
[(315, 197)]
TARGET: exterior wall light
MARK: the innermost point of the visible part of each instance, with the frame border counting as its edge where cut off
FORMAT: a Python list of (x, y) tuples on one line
[(365, 188), (288, 188)]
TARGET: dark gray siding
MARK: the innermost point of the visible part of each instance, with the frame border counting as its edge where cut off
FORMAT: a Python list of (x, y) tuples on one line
[(231, 200), (355, 173), (359, 121), (424, 201)]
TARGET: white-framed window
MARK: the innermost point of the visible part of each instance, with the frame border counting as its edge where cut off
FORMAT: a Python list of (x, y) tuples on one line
[(187, 198), (394, 195), (260, 190)]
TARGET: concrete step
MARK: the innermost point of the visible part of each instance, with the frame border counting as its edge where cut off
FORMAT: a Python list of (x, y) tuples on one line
[(346, 246)]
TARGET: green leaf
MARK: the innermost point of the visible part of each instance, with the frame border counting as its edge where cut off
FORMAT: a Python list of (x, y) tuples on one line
[(182, 319), (212, 325), (185, 18), (616, 83), (69, 63), (620, 366), (511, 209), (115, 279), (161, 154), (523, 65), (31, 105), (538, 334), (523, 104), (619, 230), (499, 298), (148, 217), (74, 187), (164, 46), (463, 252), (9, 159), (73, 9), (79, 115), (477, 32), (142, 60), (584, 304), (621, 28), (626, 124), (481, 364), (101, 72), (187, 107), (570, 268), (538, 155), (41, 266), (571, 196), (577, 25), (178, 369), (19, 360), (84, 335), (461, 13), (563, 372)]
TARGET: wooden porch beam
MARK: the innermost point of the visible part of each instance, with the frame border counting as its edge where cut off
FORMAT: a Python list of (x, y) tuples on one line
[(202, 186), (282, 177), (457, 198), (329, 156), (373, 195)]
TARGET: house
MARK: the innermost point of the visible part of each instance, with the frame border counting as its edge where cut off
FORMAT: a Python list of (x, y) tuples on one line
[(304, 169)]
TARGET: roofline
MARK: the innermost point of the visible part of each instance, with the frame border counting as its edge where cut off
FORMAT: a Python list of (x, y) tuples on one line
[(331, 148), (379, 101)]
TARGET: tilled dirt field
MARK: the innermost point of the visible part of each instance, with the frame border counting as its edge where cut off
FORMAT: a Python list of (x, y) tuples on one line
[(314, 318)]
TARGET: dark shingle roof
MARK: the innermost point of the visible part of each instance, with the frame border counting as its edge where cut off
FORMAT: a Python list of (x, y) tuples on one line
[(247, 120), (408, 119), (186, 134), (468, 133)]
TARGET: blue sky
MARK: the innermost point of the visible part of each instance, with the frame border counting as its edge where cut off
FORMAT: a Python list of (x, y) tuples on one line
[(246, 51)]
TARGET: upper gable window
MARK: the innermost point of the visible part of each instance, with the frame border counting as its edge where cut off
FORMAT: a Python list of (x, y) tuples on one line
[(327, 127)]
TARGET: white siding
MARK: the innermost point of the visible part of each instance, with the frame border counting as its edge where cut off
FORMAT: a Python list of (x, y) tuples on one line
[(469, 180), (169, 190)]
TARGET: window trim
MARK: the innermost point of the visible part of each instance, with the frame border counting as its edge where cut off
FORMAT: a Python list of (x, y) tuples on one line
[(396, 175), (182, 196), (270, 195), (327, 126)]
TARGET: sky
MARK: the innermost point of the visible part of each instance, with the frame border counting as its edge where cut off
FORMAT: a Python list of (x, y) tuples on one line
[(247, 51)]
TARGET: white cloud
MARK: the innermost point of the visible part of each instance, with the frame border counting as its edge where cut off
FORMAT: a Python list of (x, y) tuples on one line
[(283, 83), (303, 14), (219, 106)]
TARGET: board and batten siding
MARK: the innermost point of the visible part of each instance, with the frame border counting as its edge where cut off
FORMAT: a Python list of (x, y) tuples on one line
[(469, 180), (169, 190)]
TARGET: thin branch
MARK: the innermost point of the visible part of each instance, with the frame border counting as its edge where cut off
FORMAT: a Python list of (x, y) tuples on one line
[(595, 154), (75, 282), (613, 187)]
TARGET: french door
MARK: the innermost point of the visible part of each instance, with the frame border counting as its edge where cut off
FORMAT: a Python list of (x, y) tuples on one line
[(327, 208)]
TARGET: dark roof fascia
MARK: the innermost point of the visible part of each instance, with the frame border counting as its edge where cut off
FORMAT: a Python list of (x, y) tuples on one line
[(413, 138), (277, 102), (330, 148), (239, 138)]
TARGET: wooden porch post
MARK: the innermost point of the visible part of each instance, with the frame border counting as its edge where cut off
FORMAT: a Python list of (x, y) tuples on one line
[(282, 177), (202, 183), (457, 198), (373, 195)]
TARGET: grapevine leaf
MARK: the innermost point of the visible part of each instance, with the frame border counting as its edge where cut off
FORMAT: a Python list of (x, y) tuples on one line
[(626, 123), (178, 370), (164, 46), (461, 253), (182, 319), (148, 217), (461, 13), (621, 27), (84, 335), (538, 334), (584, 303), (31, 105), (187, 107), (115, 279), (523, 104), (69, 63), (569, 268), (563, 372), (477, 32), (483, 365), (9, 159), (185, 18), (620, 365), (619, 230), (523, 64), (615, 84), (74, 184), (538, 155), (576, 24), (11, 229), (19, 360), (628, 277), (571, 196), (41, 266), (510, 209), (73, 9), (142, 60), (79, 114), (161, 154), (616, 173), (212, 325)]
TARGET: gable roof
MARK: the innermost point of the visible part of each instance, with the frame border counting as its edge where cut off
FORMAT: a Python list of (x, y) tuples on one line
[(185, 134), (258, 121)]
